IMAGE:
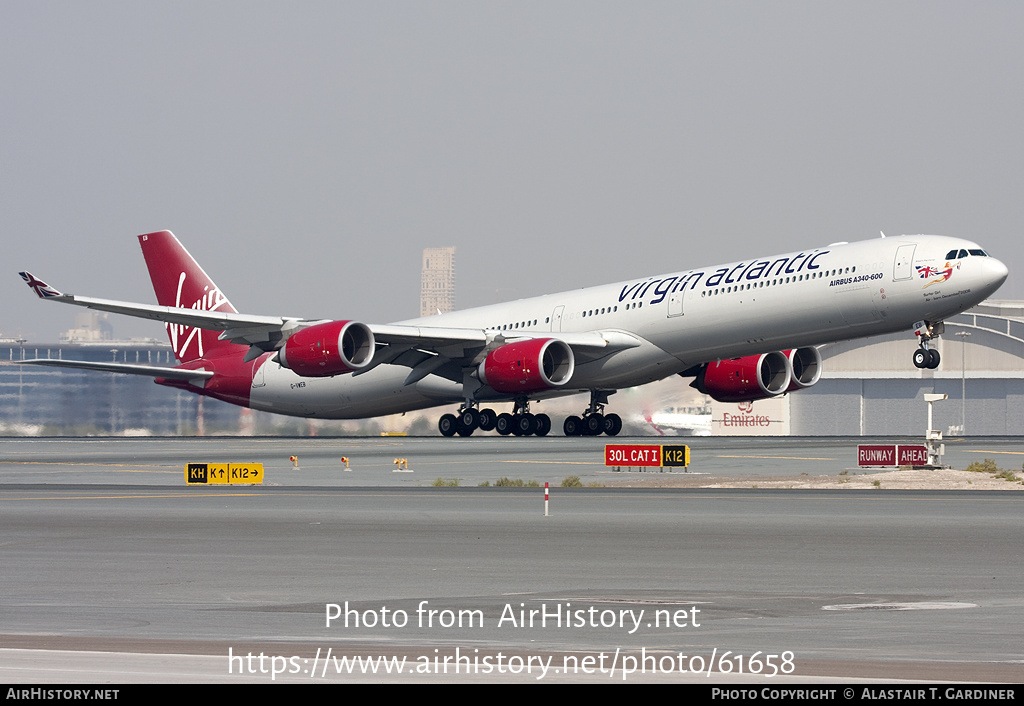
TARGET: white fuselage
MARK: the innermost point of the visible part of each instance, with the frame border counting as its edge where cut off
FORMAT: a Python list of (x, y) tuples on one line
[(683, 319)]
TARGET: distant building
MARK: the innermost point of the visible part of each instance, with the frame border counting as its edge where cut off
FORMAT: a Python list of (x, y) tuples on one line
[(37, 399), (437, 282), (48, 400), (90, 327)]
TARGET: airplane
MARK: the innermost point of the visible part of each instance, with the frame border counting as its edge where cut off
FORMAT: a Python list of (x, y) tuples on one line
[(744, 331), (688, 421)]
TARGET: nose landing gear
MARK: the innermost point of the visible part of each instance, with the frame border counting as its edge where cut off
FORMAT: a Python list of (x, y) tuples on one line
[(925, 357)]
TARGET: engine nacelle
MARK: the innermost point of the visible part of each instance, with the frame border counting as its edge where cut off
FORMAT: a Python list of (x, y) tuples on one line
[(528, 366), (804, 366), (328, 349), (753, 377)]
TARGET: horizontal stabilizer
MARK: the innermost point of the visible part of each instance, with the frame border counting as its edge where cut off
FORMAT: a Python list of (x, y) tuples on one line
[(152, 371)]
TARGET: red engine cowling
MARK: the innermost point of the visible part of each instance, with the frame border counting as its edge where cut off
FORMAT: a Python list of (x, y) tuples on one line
[(528, 366), (328, 349), (804, 366), (753, 377)]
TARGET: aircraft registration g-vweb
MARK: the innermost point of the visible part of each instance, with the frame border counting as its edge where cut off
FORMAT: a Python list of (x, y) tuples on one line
[(744, 331)]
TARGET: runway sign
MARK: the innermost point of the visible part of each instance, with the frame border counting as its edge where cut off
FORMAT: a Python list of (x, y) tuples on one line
[(675, 455), (912, 455), (876, 455), (648, 455), (223, 473), (892, 455)]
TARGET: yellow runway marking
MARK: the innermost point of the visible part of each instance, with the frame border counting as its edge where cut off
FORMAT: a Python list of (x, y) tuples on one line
[(129, 468), (566, 463), (1015, 453), (534, 461), (145, 497), (71, 463), (785, 458), (112, 470)]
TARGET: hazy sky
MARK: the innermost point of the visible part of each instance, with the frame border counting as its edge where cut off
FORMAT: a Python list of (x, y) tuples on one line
[(306, 152)]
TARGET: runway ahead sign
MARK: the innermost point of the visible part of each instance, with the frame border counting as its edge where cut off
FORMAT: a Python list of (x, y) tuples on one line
[(223, 473), (646, 455), (892, 455)]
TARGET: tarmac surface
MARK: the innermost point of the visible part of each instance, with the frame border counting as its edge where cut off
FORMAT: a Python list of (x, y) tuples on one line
[(111, 569)]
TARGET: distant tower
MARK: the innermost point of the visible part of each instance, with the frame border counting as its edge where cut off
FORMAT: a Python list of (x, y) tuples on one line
[(437, 284)]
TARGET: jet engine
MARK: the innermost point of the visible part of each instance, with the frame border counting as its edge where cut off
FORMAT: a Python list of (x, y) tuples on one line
[(753, 377), (528, 366), (804, 366), (328, 349)]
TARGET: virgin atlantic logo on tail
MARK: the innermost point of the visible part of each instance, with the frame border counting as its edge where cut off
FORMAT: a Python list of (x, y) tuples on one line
[(181, 335)]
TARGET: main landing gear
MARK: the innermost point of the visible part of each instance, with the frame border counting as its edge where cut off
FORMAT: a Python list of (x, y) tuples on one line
[(519, 423), (522, 423), (594, 422), (925, 357)]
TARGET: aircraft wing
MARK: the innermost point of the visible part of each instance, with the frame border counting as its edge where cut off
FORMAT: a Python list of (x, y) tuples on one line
[(429, 336), (197, 318), (445, 351), (425, 349)]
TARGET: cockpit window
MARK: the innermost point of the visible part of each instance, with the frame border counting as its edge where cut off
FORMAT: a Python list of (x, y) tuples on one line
[(956, 254)]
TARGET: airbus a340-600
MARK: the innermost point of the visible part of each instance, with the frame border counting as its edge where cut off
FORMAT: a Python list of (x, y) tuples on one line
[(744, 331)]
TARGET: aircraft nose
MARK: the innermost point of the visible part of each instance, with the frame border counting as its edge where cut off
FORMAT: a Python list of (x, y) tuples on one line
[(998, 271), (995, 273)]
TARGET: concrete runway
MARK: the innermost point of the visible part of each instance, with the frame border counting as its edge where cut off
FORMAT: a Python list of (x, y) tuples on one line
[(112, 570)]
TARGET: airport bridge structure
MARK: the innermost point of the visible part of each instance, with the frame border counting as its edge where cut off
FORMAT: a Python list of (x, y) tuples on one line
[(868, 387)]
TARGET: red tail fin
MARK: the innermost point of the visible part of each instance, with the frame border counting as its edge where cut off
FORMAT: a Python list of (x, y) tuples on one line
[(179, 281)]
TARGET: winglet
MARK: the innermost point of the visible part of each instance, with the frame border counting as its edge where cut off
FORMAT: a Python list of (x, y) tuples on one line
[(42, 289)]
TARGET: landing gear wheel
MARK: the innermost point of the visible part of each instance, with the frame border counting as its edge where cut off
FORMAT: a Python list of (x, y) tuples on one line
[(503, 424), (593, 424), (463, 430), (921, 358), (524, 424), (487, 419), (543, 424), (933, 358), (612, 424), (470, 419), (447, 424), (573, 426)]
